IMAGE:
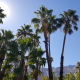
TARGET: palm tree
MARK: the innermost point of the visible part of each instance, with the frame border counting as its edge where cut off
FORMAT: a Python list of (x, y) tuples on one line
[(69, 19), (77, 67), (43, 17), (5, 38), (52, 23), (26, 44), (35, 58), (11, 58), (24, 31), (27, 32), (1, 15)]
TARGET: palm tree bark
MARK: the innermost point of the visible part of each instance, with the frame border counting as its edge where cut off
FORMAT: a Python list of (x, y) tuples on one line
[(42, 72), (49, 44), (35, 75), (1, 75), (79, 73), (46, 46), (62, 57), (22, 66), (1, 60), (26, 69), (2, 56)]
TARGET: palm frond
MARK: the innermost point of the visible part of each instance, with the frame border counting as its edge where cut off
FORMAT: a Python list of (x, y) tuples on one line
[(35, 20)]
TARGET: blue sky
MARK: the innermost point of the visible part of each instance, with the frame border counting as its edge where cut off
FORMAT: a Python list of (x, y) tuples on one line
[(22, 11)]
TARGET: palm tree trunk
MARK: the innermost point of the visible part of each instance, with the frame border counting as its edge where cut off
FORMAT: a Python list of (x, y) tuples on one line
[(26, 69), (22, 66), (42, 72), (49, 62), (35, 75), (1, 60), (62, 57), (2, 56), (47, 55), (79, 73), (49, 44), (1, 75)]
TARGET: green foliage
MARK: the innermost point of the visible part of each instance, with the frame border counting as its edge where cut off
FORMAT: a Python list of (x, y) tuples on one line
[(24, 31), (35, 20), (18, 71), (45, 78), (26, 39), (9, 76), (7, 67), (36, 25), (27, 42), (69, 19), (2, 15)]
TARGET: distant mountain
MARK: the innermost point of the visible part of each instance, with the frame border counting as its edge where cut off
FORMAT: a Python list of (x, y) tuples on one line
[(71, 65), (56, 70)]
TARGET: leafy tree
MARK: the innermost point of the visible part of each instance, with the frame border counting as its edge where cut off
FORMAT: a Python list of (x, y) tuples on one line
[(69, 19)]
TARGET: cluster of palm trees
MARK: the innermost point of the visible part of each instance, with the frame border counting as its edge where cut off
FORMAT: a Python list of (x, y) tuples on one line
[(13, 51), (50, 24)]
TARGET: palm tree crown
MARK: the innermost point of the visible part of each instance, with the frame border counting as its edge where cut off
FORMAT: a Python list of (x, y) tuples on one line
[(1, 15), (69, 19)]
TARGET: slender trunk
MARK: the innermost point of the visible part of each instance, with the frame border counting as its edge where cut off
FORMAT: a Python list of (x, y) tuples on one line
[(22, 66), (35, 75), (49, 62), (1, 75), (26, 69), (47, 55), (1, 60), (21, 77), (49, 45), (2, 56), (42, 71), (17, 78), (62, 57), (79, 74)]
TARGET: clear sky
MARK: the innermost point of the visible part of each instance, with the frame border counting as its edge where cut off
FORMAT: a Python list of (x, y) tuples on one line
[(22, 11)]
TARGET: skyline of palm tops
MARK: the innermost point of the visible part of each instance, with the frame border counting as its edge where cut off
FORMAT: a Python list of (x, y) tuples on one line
[(27, 41)]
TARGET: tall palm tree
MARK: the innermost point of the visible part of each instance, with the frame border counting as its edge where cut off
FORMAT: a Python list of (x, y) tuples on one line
[(35, 58), (43, 17), (5, 38), (2, 15), (52, 23), (26, 43), (69, 19), (11, 58)]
